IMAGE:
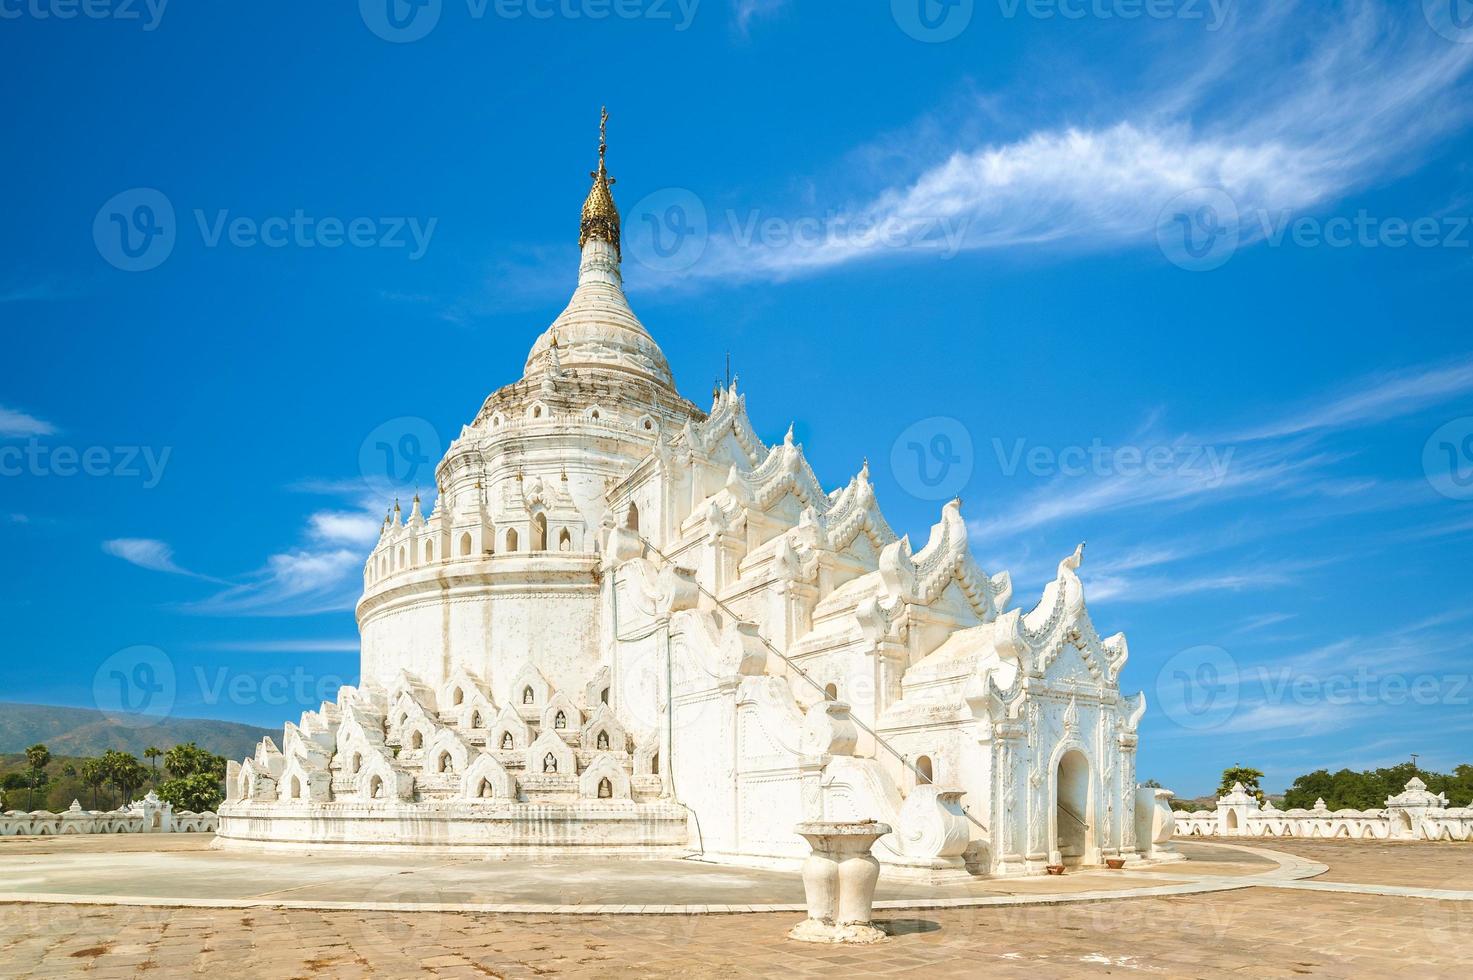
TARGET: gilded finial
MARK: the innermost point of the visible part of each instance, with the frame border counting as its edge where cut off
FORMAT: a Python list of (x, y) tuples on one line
[(600, 215)]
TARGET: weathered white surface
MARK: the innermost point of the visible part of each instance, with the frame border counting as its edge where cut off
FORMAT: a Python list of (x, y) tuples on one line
[(1414, 814), (149, 815), (544, 664), (839, 879)]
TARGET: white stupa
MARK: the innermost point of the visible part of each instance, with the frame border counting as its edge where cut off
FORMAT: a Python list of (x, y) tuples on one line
[(631, 626)]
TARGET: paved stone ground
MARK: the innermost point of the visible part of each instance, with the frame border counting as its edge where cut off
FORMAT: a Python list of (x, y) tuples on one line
[(1445, 864), (1255, 932)]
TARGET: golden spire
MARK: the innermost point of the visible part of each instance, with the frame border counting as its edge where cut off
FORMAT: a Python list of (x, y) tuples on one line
[(600, 216)]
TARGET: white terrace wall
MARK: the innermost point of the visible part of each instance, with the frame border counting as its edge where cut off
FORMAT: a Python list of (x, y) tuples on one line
[(1414, 814), (149, 815)]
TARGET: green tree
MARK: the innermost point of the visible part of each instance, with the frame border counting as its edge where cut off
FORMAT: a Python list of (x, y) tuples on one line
[(13, 783), (189, 759), (38, 757), (124, 771), (198, 791), (94, 774), (1250, 778), (152, 754)]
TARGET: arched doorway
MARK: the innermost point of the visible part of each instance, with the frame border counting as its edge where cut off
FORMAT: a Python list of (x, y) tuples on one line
[(1073, 841), (1232, 821)]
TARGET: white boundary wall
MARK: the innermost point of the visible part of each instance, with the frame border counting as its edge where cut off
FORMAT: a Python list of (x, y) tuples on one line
[(1414, 814), (149, 815)]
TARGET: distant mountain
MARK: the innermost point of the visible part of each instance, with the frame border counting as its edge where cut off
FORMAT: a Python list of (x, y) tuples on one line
[(87, 732)]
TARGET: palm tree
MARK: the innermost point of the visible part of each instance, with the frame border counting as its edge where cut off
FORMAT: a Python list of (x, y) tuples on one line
[(152, 754), (94, 774), (38, 757)]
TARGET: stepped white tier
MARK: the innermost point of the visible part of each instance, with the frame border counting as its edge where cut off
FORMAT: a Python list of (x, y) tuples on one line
[(630, 625)]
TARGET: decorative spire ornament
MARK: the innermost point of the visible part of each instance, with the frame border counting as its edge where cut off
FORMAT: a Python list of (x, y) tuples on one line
[(600, 215)]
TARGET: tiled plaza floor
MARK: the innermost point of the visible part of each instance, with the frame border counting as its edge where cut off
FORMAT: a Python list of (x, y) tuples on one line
[(1254, 932)]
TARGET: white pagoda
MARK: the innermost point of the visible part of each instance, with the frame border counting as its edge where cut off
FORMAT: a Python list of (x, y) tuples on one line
[(630, 626)]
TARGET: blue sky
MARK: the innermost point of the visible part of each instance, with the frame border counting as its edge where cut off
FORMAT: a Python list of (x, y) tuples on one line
[(1143, 281)]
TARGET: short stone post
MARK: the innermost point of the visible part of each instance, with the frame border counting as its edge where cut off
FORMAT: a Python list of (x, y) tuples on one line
[(839, 879)]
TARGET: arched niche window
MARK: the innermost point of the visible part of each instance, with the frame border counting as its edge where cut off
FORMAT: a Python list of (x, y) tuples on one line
[(511, 539), (465, 545), (527, 696), (605, 789), (417, 740), (926, 771), (357, 763), (549, 763), (401, 562), (376, 788), (593, 415), (559, 721), (403, 717), (507, 742), (564, 540), (603, 740), (457, 696), (631, 518), (539, 533), (484, 791), (476, 719), (831, 691), (444, 763), (296, 793), (655, 763), (429, 551), (603, 696)]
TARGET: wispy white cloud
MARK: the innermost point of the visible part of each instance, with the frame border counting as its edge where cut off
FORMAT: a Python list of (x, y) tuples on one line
[(302, 582), (345, 527), (149, 553), (1149, 588), (1277, 457), (1372, 399), (1278, 125), (17, 424), (323, 573)]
